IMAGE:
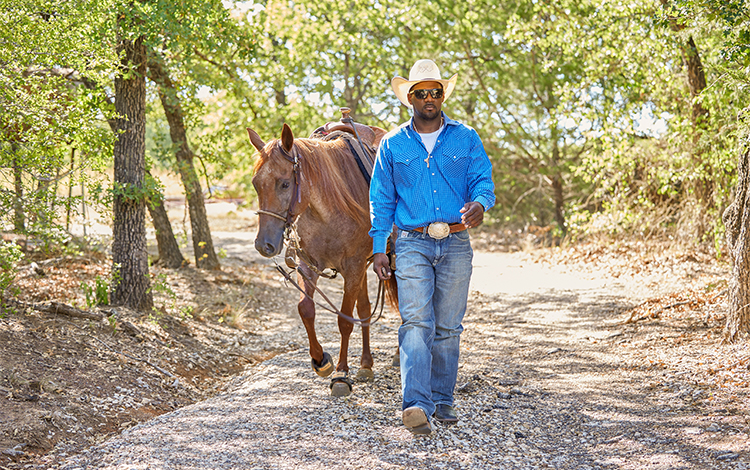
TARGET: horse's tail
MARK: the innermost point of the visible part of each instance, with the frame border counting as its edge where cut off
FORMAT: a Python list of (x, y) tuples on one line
[(390, 285), (391, 292)]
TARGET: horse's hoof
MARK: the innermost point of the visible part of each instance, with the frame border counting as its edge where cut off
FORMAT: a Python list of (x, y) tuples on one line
[(326, 366), (396, 360), (341, 384), (340, 390), (365, 375)]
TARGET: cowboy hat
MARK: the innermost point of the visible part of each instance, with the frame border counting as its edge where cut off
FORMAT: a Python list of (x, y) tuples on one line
[(423, 70)]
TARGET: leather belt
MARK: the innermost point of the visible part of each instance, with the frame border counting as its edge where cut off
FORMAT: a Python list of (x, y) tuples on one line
[(458, 227)]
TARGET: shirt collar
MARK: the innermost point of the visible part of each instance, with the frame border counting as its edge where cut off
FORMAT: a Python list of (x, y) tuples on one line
[(448, 122)]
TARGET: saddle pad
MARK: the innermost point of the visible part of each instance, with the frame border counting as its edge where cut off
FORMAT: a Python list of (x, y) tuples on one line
[(364, 154)]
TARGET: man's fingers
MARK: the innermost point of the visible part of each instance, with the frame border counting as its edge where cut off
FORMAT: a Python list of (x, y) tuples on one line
[(472, 218), (380, 266)]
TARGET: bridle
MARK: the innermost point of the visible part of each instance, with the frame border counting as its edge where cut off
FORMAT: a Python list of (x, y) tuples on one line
[(290, 218)]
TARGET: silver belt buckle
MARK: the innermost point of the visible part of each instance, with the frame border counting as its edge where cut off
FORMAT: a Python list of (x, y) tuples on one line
[(438, 230)]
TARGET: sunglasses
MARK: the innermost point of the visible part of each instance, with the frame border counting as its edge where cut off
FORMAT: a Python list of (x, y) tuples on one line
[(436, 93)]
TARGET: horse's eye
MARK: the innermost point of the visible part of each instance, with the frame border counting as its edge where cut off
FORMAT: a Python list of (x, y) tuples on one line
[(285, 185)]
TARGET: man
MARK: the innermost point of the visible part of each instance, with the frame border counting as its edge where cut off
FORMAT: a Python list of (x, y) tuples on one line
[(432, 179)]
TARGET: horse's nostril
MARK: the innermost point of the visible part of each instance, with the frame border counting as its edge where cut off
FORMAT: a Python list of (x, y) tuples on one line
[(265, 249)]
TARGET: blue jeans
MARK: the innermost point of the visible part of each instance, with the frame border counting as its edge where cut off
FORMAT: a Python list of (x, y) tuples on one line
[(433, 288)]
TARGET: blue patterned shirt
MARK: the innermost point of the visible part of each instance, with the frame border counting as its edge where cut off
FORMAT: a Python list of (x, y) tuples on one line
[(410, 192)]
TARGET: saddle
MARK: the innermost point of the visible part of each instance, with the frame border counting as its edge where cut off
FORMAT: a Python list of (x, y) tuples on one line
[(363, 140), (368, 135)]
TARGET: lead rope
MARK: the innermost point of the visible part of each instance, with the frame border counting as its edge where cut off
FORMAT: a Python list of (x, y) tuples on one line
[(379, 299)]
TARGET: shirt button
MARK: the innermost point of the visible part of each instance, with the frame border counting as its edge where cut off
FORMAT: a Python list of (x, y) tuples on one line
[(437, 208)]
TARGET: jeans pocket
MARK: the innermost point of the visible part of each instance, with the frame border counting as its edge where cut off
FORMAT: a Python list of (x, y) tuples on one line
[(408, 234), (463, 235)]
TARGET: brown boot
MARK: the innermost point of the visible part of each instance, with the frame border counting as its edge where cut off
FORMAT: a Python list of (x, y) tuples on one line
[(415, 420)]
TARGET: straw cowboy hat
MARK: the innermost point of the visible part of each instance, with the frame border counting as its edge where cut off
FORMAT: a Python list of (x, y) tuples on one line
[(423, 70)]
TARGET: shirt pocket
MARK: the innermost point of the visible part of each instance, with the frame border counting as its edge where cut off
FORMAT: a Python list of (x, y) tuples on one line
[(455, 162), (406, 170)]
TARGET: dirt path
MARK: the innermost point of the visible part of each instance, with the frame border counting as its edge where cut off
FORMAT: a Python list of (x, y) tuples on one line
[(551, 377)]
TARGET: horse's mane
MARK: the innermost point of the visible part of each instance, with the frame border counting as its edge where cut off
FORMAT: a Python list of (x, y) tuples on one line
[(329, 167)]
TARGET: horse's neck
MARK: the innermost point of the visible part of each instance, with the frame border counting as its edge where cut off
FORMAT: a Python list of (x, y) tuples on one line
[(317, 209), (341, 198)]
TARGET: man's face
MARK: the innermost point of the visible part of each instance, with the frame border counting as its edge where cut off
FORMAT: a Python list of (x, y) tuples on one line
[(429, 107)]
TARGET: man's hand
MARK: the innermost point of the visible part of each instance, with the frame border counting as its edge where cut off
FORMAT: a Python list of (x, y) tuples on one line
[(473, 214), (381, 266)]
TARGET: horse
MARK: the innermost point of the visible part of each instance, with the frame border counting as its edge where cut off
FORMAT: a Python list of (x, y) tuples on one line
[(317, 187)]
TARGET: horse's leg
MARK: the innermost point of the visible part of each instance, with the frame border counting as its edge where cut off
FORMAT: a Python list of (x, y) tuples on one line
[(363, 311), (340, 383), (321, 361)]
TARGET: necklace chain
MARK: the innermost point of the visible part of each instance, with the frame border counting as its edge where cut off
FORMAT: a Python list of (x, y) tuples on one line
[(441, 125)]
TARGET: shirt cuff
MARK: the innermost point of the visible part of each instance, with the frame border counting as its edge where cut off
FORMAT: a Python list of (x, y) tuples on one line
[(379, 243), (486, 203)]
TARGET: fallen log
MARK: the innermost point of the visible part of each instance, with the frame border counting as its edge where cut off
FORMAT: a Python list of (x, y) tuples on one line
[(55, 308)]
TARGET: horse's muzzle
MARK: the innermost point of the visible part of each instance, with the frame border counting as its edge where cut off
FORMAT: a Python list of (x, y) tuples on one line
[(266, 248)]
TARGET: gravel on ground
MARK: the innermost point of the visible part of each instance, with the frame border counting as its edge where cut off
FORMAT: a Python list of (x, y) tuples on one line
[(552, 376)]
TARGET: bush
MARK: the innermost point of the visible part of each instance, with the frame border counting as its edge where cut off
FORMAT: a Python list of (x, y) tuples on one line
[(10, 255)]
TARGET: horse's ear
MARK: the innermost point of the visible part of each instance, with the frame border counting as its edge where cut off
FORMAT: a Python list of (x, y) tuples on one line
[(255, 139), (287, 138)]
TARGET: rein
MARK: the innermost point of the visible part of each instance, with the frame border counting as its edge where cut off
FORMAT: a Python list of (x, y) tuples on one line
[(379, 299), (292, 239)]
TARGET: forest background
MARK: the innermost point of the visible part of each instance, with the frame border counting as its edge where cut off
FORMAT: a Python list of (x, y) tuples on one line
[(604, 119)]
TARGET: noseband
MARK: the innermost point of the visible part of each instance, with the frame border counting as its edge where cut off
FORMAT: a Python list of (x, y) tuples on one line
[(290, 217)]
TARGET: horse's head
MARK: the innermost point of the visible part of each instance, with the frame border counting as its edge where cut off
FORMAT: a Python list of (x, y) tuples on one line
[(277, 188)]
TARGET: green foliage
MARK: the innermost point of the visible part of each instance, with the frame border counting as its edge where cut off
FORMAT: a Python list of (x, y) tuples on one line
[(160, 285), (96, 294), (112, 319), (55, 95), (561, 92), (10, 255), (49, 55), (186, 312), (150, 190), (730, 18)]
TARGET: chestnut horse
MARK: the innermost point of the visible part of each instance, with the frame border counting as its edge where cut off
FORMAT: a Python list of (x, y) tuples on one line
[(318, 187)]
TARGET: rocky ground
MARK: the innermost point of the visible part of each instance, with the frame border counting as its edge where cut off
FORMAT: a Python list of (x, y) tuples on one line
[(588, 357)]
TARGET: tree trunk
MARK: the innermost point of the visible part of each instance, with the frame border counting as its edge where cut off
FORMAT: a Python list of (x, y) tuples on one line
[(557, 192), (131, 283), (737, 223), (696, 85), (19, 218), (169, 251), (203, 247), (696, 79), (557, 187), (70, 190), (695, 74)]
